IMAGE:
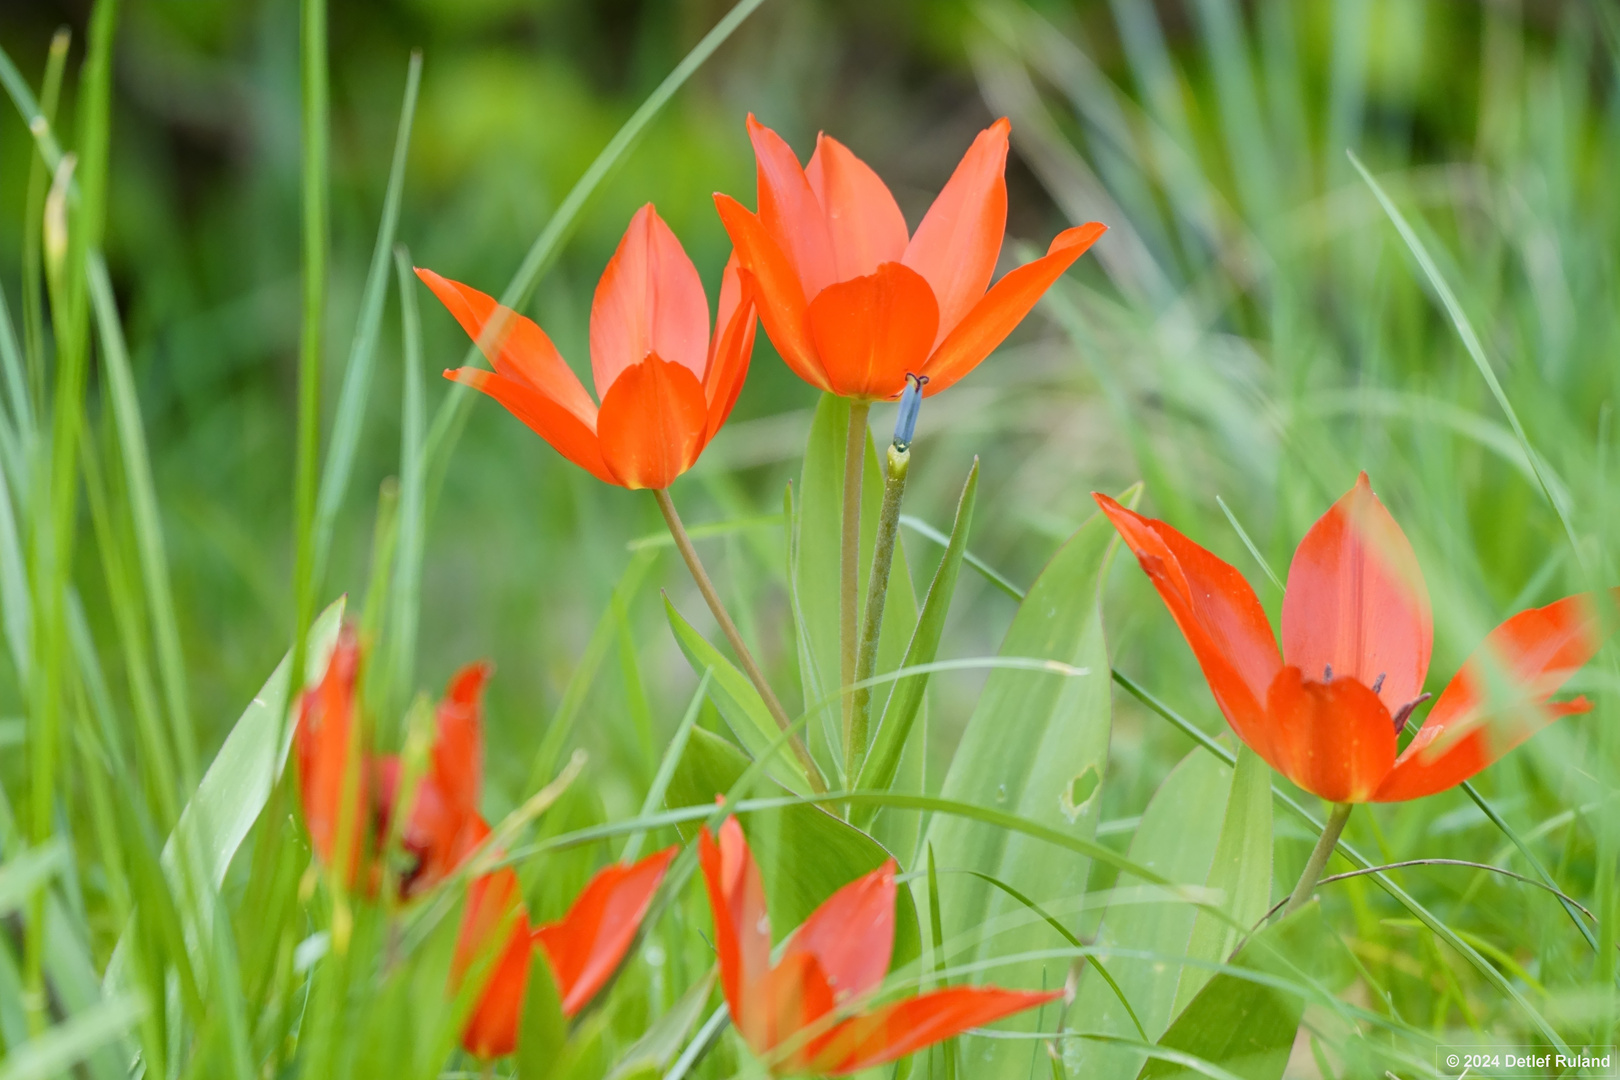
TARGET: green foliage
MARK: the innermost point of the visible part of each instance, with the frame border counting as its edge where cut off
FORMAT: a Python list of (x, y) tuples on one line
[(195, 235)]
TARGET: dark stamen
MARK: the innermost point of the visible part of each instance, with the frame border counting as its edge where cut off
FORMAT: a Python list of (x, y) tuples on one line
[(1405, 712), (1378, 683), (1327, 673)]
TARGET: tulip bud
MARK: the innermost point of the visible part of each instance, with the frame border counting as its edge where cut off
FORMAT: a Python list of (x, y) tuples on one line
[(56, 218)]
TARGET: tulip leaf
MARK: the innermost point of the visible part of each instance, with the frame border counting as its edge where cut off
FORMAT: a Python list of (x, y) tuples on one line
[(1240, 873), (237, 784), (1176, 839), (1246, 1026), (804, 853), (543, 1030), (1036, 741), (814, 553), (739, 703), (905, 702)]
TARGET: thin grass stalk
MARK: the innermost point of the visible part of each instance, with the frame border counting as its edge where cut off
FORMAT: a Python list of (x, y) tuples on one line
[(404, 612), (353, 397), (313, 84), (55, 538), (39, 179), (849, 558), (683, 544)]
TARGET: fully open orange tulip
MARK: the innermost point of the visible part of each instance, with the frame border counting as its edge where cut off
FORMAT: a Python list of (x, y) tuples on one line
[(445, 809), (1356, 636), (665, 385), (851, 301), (584, 948), (798, 1013)]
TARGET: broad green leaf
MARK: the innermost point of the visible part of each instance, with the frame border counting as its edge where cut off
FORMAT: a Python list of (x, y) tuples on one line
[(814, 555), (894, 730), (805, 854), (1240, 874), (1247, 1027), (1176, 839), (25, 873), (234, 789), (544, 1029), (1036, 746), (739, 703)]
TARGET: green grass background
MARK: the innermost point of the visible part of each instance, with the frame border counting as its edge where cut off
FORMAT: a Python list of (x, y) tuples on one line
[(1253, 327)]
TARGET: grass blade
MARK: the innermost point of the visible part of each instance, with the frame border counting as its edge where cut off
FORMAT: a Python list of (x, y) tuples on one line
[(351, 406)]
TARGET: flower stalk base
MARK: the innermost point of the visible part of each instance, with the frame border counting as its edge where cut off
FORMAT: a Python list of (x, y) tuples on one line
[(1319, 857), (683, 544), (849, 563)]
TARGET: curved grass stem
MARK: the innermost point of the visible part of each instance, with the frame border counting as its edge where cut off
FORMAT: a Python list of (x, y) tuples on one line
[(1319, 857), (683, 543)]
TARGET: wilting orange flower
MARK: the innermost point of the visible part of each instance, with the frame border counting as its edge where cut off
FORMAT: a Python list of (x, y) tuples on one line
[(851, 301), (796, 1013), (445, 809), (665, 385), (1356, 635), (584, 948)]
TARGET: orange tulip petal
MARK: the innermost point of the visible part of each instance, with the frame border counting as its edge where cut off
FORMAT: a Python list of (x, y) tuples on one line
[(790, 211), (863, 220), (652, 423), (1333, 739), (733, 346), (586, 946), (904, 1027), (1218, 614), (1356, 601), (871, 331), (851, 935), (778, 292), (648, 300), (566, 433), (323, 741), (521, 351), (1535, 652), (1004, 307), (794, 1003), (495, 914), (957, 244), (742, 930), (458, 745)]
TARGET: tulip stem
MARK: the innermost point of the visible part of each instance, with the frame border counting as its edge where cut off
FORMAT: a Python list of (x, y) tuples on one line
[(1319, 858), (877, 592), (683, 544), (849, 564)]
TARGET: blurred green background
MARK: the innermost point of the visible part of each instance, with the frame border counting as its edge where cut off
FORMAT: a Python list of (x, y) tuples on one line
[(1252, 326)]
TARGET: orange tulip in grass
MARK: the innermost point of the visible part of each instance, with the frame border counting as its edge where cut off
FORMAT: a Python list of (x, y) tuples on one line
[(1357, 630), (665, 384), (584, 948), (808, 1013), (851, 300), (442, 817), (857, 305)]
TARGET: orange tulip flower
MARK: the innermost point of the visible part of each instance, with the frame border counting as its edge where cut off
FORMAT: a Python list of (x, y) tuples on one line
[(665, 385), (796, 1014), (446, 804), (584, 948), (1356, 635), (851, 301)]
